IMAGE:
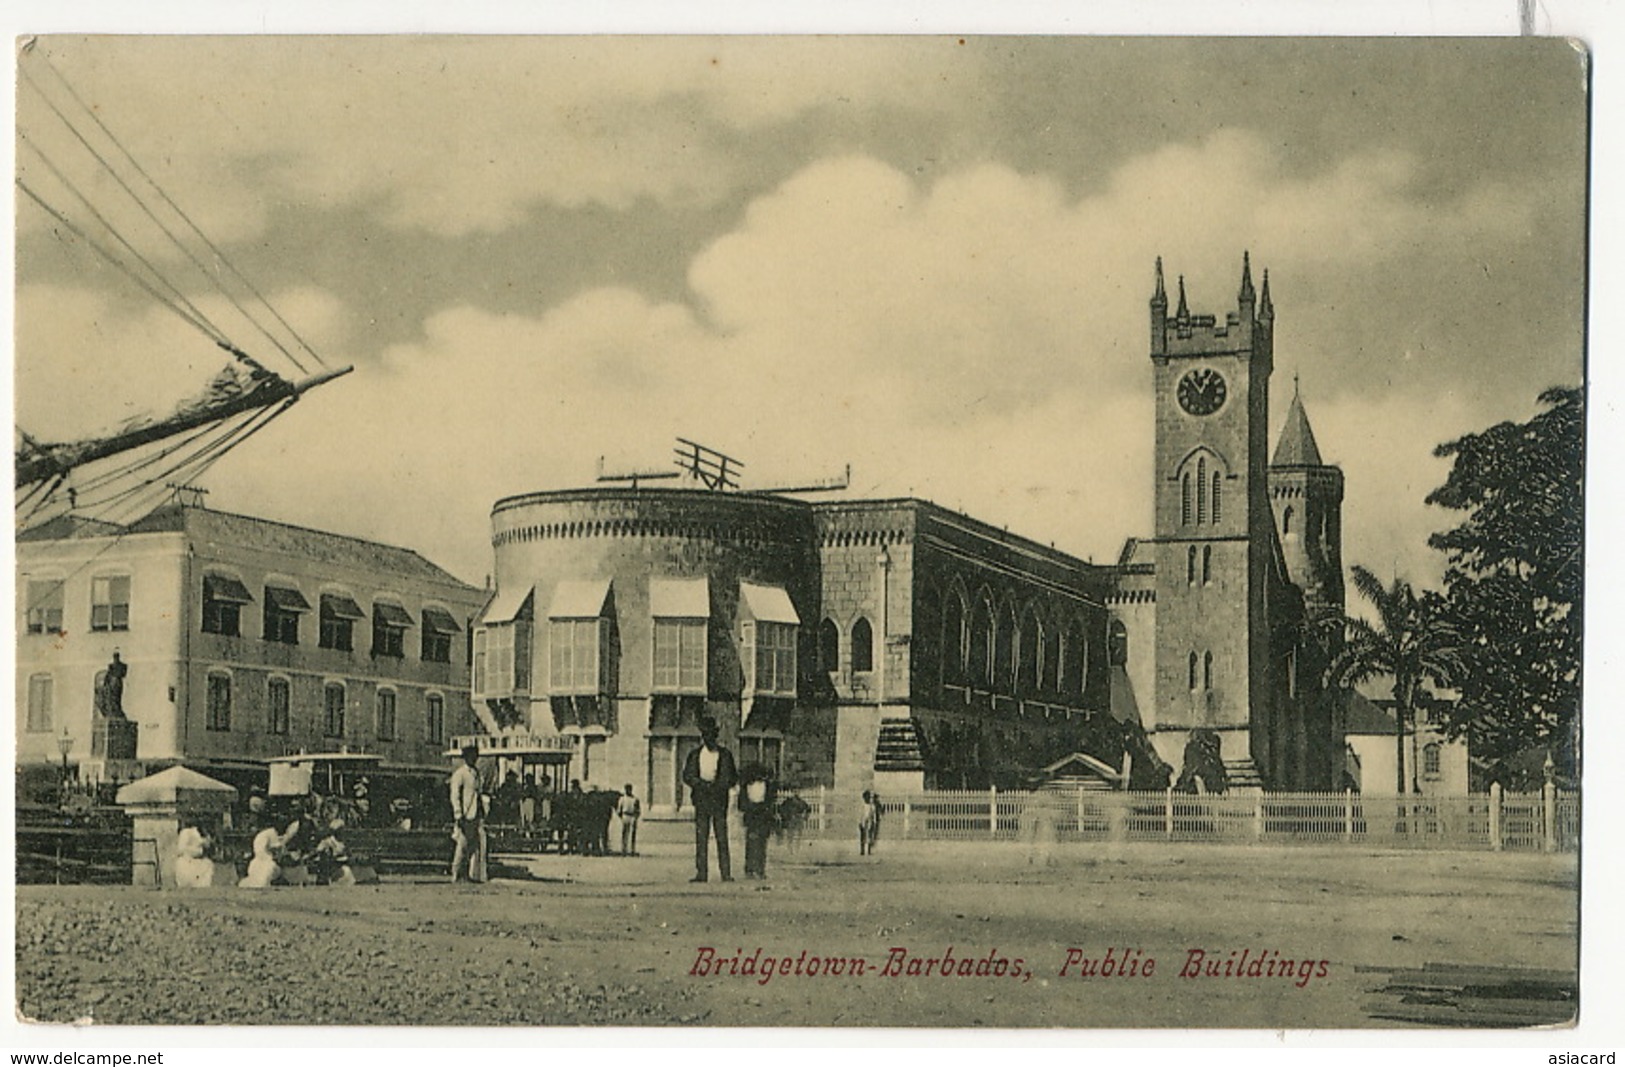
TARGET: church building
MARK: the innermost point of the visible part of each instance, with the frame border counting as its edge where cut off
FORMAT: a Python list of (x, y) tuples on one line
[(1231, 605)]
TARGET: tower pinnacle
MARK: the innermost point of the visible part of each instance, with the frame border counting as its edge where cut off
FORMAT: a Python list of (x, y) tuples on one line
[(1266, 310), (1160, 297), (1246, 278), (1183, 312)]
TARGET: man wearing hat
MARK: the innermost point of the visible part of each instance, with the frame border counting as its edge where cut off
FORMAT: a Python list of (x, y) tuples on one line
[(468, 860), (710, 775)]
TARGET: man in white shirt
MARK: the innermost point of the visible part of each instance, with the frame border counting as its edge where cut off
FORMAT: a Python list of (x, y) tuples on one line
[(710, 775), (468, 860), (629, 808)]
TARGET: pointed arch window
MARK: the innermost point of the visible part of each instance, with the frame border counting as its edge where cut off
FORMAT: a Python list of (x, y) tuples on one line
[(1207, 670), (1190, 566), (1286, 521), (829, 646), (953, 637), (981, 643), (1193, 672), (863, 646), (1207, 564), (1201, 491), (1216, 496), (1185, 499)]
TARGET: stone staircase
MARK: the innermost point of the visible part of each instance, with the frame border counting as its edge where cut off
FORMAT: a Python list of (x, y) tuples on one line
[(1242, 774), (899, 747)]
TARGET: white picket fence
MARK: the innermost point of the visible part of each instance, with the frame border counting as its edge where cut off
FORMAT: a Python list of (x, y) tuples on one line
[(1545, 821)]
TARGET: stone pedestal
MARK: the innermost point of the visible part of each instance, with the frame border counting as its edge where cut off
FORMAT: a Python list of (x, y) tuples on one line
[(159, 806)]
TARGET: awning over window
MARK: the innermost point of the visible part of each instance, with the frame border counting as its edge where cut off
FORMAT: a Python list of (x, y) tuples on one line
[(283, 599), (220, 587), (339, 606), (506, 604), (440, 621), (767, 603), (680, 598), (391, 614), (573, 599)]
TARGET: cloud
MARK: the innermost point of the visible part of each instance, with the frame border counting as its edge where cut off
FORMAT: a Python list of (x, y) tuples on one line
[(979, 339), (456, 135)]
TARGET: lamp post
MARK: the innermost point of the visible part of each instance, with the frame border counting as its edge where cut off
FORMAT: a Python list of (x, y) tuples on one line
[(64, 745)]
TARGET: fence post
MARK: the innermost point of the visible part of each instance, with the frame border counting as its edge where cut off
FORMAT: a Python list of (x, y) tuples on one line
[(1548, 816), (821, 810), (1168, 812), (1348, 815), (1495, 816), (1080, 813), (1258, 816), (993, 811), (905, 818)]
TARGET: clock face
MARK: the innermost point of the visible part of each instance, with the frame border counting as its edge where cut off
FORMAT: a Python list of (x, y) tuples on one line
[(1202, 391)]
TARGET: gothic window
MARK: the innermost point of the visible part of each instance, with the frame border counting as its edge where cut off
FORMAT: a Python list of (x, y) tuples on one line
[(1054, 658), (1030, 653), (1190, 565), (981, 643), (863, 646), (1201, 491), (829, 646), (1207, 670), (1216, 483), (1207, 564), (1185, 499), (1193, 672), (1286, 521), (953, 637), (1004, 656)]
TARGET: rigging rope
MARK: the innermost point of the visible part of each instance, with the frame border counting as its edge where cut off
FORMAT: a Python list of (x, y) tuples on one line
[(203, 325), (212, 247)]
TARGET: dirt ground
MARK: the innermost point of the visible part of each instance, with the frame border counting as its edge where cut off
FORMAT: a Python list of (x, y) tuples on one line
[(618, 941)]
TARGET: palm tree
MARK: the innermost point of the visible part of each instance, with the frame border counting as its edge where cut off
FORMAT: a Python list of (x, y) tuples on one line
[(1411, 641)]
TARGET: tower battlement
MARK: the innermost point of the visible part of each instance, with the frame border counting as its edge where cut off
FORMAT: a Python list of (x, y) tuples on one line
[(1181, 334)]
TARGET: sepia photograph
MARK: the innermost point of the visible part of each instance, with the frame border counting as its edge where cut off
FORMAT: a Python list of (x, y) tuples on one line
[(824, 531)]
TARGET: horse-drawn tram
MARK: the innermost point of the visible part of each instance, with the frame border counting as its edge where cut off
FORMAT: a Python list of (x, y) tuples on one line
[(527, 778)]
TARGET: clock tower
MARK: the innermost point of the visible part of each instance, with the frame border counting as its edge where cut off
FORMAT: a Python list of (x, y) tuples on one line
[(1213, 547)]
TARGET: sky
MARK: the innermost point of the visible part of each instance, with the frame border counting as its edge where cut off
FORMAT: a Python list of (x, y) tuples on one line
[(926, 257)]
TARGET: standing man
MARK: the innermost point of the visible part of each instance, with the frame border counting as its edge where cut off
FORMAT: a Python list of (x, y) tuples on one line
[(710, 775), (629, 808), (468, 860)]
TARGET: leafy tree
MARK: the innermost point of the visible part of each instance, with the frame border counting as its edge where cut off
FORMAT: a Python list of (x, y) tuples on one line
[(1412, 642), (1515, 579)]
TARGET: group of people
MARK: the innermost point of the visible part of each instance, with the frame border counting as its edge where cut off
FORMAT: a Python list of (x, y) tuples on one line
[(711, 776)]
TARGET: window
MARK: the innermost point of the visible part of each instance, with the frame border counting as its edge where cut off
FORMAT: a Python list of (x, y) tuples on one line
[(338, 616), (437, 719), (45, 606), (679, 656), (1185, 499), (981, 644), (276, 706), (1431, 759), (40, 693), (1216, 498), (389, 625), (1201, 491), (219, 702), (283, 606), (576, 646), (1286, 521), (333, 711), (223, 600), (1190, 565), (953, 637), (479, 660), (863, 646), (829, 646), (386, 715), (770, 648), (1207, 670), (1207, 564), (110, 603), (438, 629), (1193, 672)]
